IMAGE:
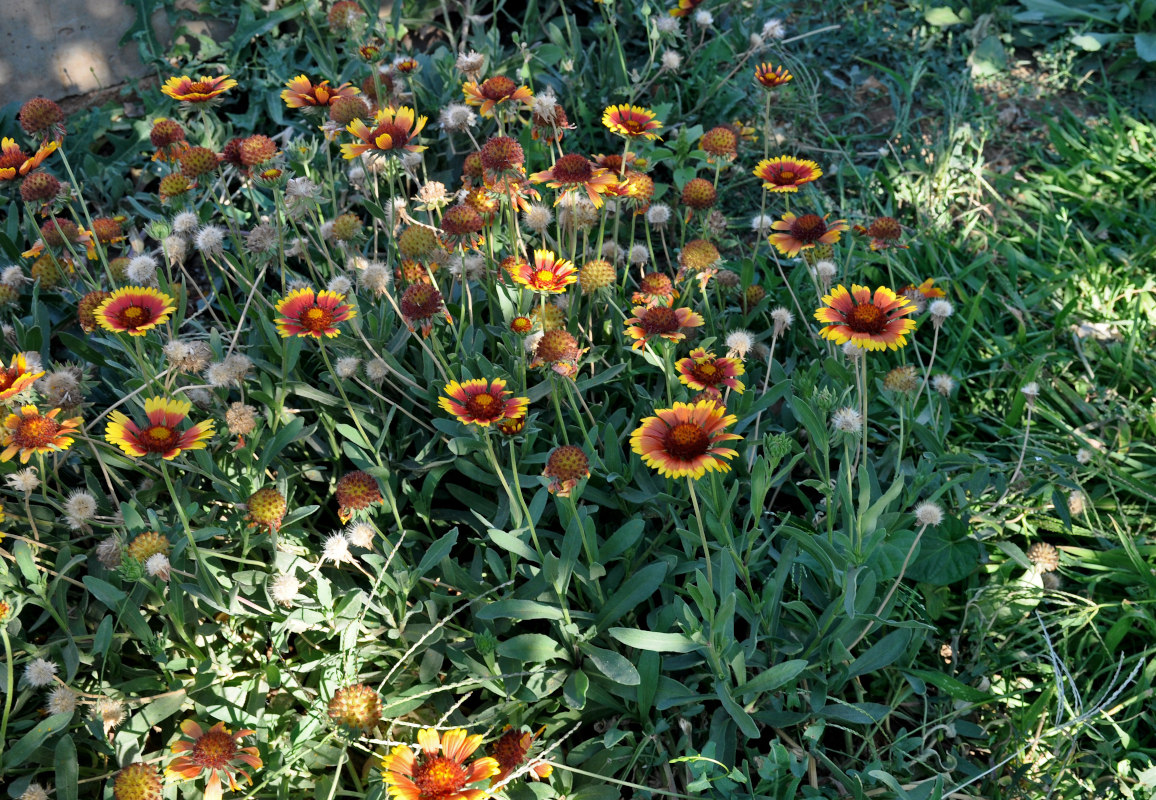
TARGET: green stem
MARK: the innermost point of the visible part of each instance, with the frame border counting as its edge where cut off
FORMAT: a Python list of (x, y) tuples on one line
[(515, 502), (10, 690), (701, 533)]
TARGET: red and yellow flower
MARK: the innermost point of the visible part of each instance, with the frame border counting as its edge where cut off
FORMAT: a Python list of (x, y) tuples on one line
[(800, 233), (684, 8), (575, 173), (548, 274), (705, 371), (215, 751), (303, 93), (684, 441), (649, 322), (631, 121), (786, 174), (17, 377), (15, 163), (305, 312), (494, 92), (771, 76), (393, 129), (654, 289), (482, 402), (565, 467), (884, 233), (28, 431), (928, 290), (201, 90), (511, 749), (871, 322), (438, 771), (160, 435), (134, 310)]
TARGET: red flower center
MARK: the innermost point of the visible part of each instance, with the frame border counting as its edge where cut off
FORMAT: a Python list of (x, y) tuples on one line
[(12, 158), (886, 228), (706, 373), (134, 317), (420, 301), (659, 320), (200, 87), (510, 750), (483, 406), (397, 134), (35, 431), (316, 320), (572, 169), (158, 439), (7, 378), (439, 777), (655, 284), (808, 228), (214, 750), (686, 441), (498, 88), (866, 318), (633, 125)]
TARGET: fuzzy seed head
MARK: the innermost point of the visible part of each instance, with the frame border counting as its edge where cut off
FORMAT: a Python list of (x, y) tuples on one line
[(929, 514)]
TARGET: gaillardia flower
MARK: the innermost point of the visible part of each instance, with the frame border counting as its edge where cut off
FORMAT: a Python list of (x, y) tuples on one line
[(511, 750), (684, 441), (870, 322), (655, 289), (651, 321), (494, 92), (16, 378), (201, 90), (786, 174), (302, 93), (772, 77), (393, 129), (134, 310), (439, 770), (308, 313), (14, 162), (704, 371), (800, 233), (565, 467), (160, 435), (884, 233), (215, 751), (574, 172), (631, 121), (481, 402), (27, 432), (548, 274), (356, 491)]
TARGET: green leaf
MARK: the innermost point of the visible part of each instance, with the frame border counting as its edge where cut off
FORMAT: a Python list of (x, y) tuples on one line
[(638, 587), (738, 714), (1145, 46), (436, 553), (773, 678), (19, 753), (536, 648), (947, 554), (941, 17), (512, 608), (952, 687), (104, 592), (67, 770), (613, 665), (654, 641), (575, 689), (886, 651), (512, 543)]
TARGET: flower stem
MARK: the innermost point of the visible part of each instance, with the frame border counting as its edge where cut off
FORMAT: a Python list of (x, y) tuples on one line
[(701, 533)]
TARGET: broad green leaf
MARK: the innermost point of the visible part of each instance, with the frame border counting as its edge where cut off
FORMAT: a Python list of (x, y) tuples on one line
[(637, 588), (67, 769), (18, 754), (535, 648), (614, 666), (886, 651), (771, 679), (512, 608), (654, 641)]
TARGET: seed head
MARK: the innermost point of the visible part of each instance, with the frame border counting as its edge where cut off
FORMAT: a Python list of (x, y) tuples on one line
[(1045, 557), (210, 240), (781, 319), (538, 218), (284, 588), (848, 420), (929, 514), (356, 707), (376, 370), (61, 700), (944, 384), (137, 781), (658, 215), (39, 673)]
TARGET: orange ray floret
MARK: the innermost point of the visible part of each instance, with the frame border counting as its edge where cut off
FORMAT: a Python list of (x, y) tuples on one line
[(481, 402), (800, 233), (14, 162), (683, 442), (308, 313), (572, 173), (215, 751), (160, 436), (17, 377), (870, 322), (548, 274), (28, 431), (494, 92), (134, 310), (303, 93), (786, 174), (705, 371), (772, 77), (394, 129), (201, 90), (438, 771), (631, 121)]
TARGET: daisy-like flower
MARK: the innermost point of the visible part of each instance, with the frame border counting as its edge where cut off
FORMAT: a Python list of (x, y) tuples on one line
[(631, 121), (566, 466), (655, 289), (393, 129), (704, 371), (308, 313), (511, 749), (651, 321), (482, 402), (28, 432), (771, 76), (870, 322), (160, 435), (684, 8), (884, 233), (15, 163), (572, 173), (201, 90), (800, 233), (494, 92), (215, 751), (548, 274), (684, 441), (786, 174), (134, 310), (17, 377), (928, 290), (439, 770), (303, 93)]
